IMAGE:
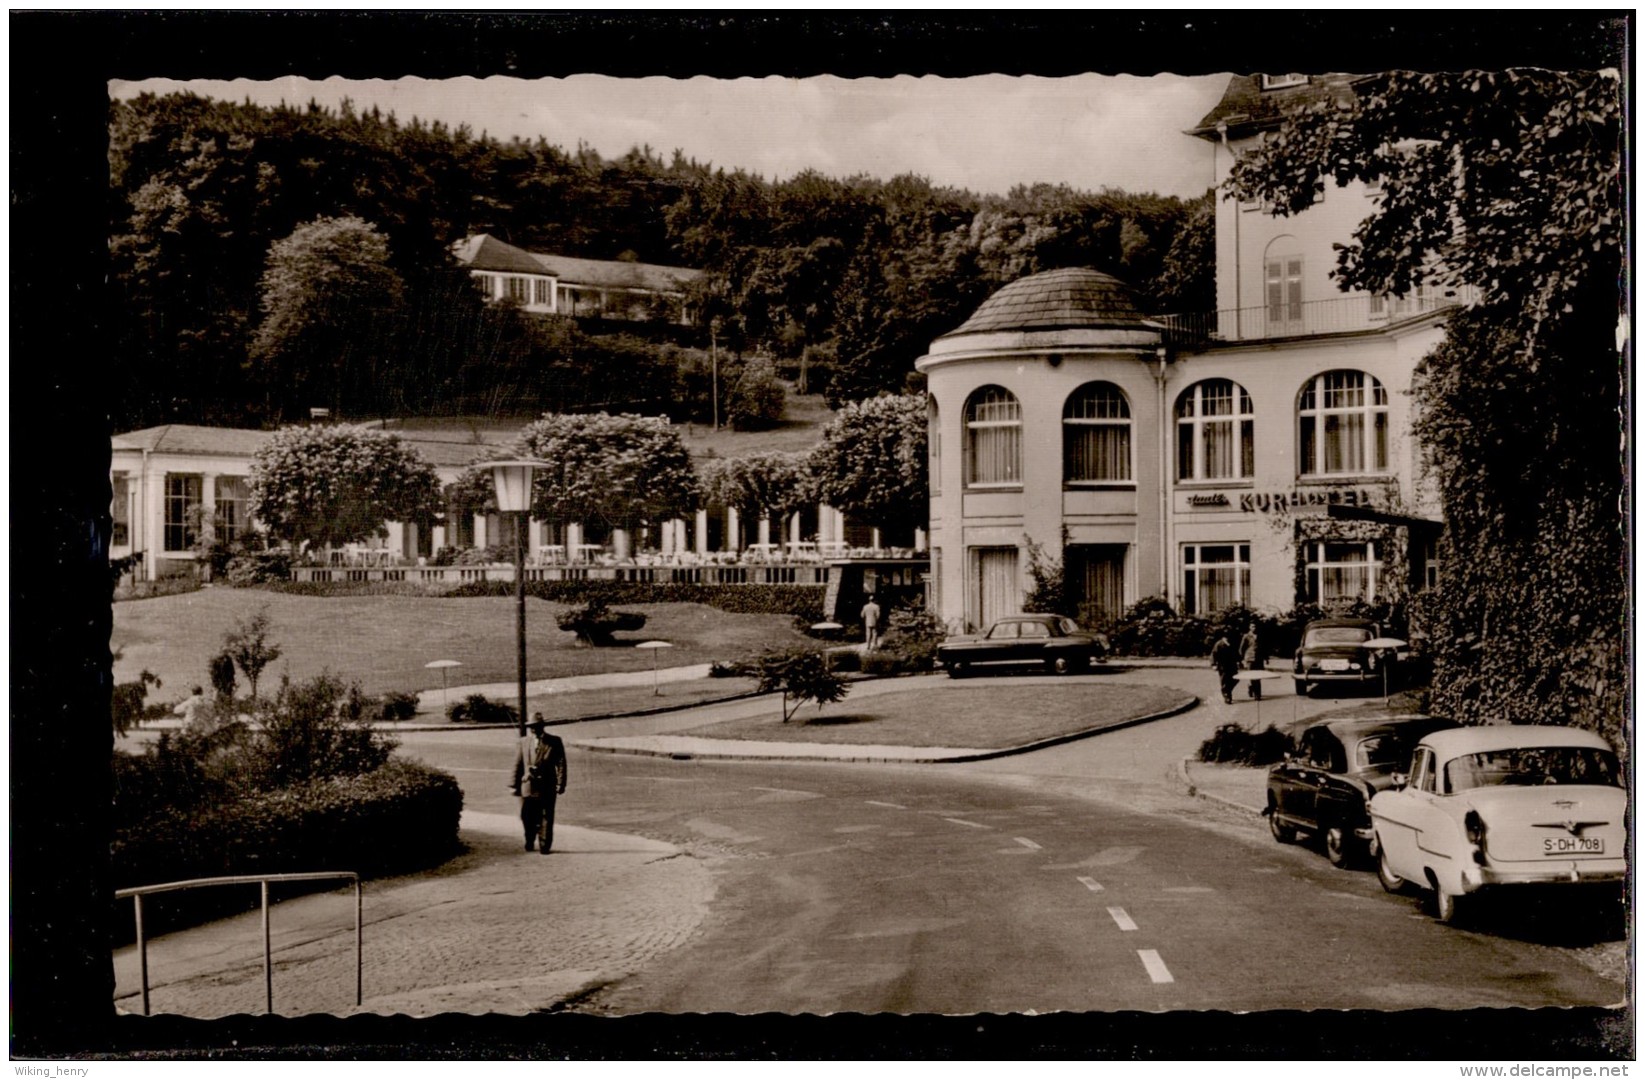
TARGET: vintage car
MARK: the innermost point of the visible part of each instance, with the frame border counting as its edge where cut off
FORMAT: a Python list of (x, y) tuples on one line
[(1324, 786), (1333, 650), (1054, 642), (1502, 805)]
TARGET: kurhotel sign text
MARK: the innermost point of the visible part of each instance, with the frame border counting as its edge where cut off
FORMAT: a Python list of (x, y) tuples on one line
[(1271, 502)]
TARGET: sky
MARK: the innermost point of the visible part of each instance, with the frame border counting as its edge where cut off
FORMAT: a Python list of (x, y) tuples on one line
[(985, 133)]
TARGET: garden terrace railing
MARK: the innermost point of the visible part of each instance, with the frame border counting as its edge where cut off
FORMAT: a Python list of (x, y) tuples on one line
[(711, 574), (261, 880)]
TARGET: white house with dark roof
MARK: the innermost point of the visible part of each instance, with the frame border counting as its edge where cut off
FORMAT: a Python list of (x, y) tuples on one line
[(1261, 454), (581, 288)]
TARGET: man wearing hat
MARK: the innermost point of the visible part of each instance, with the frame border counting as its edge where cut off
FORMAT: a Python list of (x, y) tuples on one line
[(539, 778)]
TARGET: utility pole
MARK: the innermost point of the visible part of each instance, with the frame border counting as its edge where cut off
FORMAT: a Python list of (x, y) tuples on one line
[(714, 367)]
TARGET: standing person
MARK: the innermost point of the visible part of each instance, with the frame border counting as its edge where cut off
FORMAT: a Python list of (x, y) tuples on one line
[(539, 779), (1226, 661), (871, 624), (1250, 658)]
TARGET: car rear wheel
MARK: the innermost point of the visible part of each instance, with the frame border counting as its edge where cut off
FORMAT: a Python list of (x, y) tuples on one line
[(1448, 907), (1391, 881), (956, 669), (1064, 665), (1284, 833), (1339, 846)]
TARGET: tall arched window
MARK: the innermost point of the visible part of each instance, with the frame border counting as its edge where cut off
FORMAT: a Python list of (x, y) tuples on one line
[(1216, 432), (1096, 435), (933, 442), (993, 438), (1342, 424)]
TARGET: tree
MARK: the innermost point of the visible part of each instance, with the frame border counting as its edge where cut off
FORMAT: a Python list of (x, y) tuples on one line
[(249, 647), (771, 485), (126, 701), (872, 461), (801, 674), (328, 299), (1509, 183), (339, 484), (618, 470)]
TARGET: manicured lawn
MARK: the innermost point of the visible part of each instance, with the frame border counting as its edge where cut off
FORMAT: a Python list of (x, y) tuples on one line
[(384, 641), (627, 700), (943, 712)]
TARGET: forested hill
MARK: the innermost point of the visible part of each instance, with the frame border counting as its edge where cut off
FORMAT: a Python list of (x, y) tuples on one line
[(858, 274)]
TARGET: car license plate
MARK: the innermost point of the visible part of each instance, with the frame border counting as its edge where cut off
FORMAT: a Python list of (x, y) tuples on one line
[(1333, 664), (1573, 845)]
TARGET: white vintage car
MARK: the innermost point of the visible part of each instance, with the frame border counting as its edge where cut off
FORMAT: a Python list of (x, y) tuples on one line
[(1484, 807)]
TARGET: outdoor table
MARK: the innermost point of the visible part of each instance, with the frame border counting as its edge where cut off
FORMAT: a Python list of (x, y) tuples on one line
[(551, 553), (585, 550)]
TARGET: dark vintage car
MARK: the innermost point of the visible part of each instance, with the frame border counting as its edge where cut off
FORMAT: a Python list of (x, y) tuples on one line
[(1054, 642), (1325, 785), (1333, 650)]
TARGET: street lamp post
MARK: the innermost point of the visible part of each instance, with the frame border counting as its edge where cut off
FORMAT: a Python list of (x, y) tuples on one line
[(513, 481)]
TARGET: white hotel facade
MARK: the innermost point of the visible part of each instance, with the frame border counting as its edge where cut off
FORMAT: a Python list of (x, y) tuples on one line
[(1259, 455)]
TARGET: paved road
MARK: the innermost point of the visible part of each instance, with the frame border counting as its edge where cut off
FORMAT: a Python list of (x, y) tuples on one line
[(1077, 877)]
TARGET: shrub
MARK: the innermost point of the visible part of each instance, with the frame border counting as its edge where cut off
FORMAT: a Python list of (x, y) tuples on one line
[(801, 674), (249, 647), (397, 705), (595, 623), (911, 638), (1231, 744), (486, 556), (250, 568), (479, 709), (318, 729), (1152, 627), (126, 702), (221, 670), (398, 818), (755, 398)]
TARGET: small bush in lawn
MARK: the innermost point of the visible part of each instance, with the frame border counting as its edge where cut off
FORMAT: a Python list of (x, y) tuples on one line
[(1232, 744), (396, 705), (845, 660), (729, 669), (308, 733), (479, 709), (802, 675), (883, 663), (910, 642), (595, 623)]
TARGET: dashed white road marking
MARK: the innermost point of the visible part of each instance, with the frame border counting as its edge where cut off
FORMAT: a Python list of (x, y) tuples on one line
[(1188, 889), (1121, 919), (1027, 843), (972, 824), (1094, 886), (1156, 967), (887, 805)]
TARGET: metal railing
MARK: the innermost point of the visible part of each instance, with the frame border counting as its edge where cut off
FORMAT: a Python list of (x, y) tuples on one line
[(1339, 315), (262, 880)]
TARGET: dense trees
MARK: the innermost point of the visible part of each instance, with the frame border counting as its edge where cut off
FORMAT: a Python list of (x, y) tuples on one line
[(762, 485), (1509, 182), (872, 462), (614, 470), (857, 274), (339, 484)]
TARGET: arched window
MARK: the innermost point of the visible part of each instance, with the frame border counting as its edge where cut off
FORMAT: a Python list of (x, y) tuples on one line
[(1215, 432), (1096, 436), (933, 443), (993, 438), (1342, 424)]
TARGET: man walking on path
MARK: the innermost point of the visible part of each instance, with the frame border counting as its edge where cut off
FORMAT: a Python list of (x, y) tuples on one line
[(1226, 661), (1250, 658), (870, 624), (539, 779)]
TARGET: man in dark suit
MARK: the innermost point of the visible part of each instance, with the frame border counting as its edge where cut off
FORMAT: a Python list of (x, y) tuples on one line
[(539, 779)]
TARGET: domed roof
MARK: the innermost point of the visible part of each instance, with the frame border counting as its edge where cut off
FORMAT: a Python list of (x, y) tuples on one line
[(1057, 300)]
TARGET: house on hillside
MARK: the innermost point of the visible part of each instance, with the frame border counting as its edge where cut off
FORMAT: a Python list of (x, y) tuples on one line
[(581, 288), (1260, 454)]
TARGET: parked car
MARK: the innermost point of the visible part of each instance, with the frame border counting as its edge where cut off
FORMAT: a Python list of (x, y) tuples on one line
[(1325, 785), (1333, 650), (1054, 642), (1502, 805)]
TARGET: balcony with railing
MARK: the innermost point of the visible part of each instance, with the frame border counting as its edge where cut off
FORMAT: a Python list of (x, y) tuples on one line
[(1338, 315)]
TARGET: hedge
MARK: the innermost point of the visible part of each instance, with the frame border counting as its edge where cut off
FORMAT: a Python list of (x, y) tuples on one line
[(399, 818), (805, 601)]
